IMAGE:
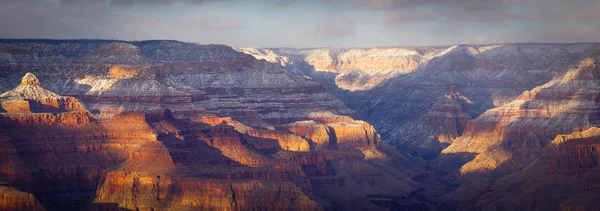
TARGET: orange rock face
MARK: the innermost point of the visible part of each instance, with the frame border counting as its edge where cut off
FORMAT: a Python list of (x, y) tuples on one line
[(154, 161), (529, 123), (286, 141), (505, 141), (15, 106), (327, 129), (120, 72), (569, 163), (311, 130), (12, 199)]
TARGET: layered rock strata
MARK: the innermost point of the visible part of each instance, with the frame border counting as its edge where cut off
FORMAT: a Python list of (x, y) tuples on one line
[(525, 126), (438, 127), (155, 161), (569, 163), (508, 139), (190, 79), (488, 75)]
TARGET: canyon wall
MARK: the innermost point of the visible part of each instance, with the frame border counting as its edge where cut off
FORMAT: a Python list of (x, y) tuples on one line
[(166, 125), (568, 164), (490, 110), (488, 75)]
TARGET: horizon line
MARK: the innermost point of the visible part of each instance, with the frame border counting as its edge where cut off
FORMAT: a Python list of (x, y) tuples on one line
[(244, 46)]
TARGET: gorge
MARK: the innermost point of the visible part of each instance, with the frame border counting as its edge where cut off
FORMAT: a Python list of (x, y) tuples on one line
[(170, 125)]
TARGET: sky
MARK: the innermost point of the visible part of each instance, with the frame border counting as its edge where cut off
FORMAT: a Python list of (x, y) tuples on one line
[(306, 23)]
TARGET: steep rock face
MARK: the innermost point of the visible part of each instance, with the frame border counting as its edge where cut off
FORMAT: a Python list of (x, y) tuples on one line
[(317, 133), (146, 163), (12, 199), (328, 129), (447, 114), (285, 140), (569, 163), (60, 156), (212, 167), (438, 127), (61, 160), (525, 126), (205, 168)]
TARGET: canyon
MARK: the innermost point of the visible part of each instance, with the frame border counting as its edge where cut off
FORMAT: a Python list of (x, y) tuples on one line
[(479, 114), (169, 125)]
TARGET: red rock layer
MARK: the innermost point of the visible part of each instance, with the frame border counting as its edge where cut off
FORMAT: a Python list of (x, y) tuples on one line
[(212, 167)]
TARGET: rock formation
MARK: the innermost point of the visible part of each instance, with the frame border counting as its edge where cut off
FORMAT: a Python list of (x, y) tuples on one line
[(167, 125), (74, 159), (510, 138), (529, 123), (488, 75), (511, 129), (189, 79), (438, 127), (569, 163), (12, 199), (30, 96)]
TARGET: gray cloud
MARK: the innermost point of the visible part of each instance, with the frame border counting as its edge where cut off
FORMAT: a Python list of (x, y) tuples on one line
[(483, 10), (305, 23), (140, 2), (337, 27), (95, 19)]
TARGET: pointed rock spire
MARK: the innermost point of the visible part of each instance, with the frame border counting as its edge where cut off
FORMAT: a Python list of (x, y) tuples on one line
[(30, 79)]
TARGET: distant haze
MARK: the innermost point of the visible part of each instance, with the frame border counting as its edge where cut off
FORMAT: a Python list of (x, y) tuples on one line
[(306, 23)]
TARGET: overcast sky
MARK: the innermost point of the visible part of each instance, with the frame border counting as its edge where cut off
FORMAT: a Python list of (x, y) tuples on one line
[(306, 23)]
